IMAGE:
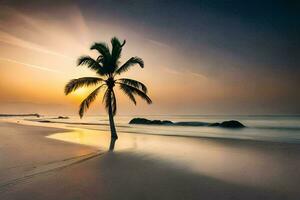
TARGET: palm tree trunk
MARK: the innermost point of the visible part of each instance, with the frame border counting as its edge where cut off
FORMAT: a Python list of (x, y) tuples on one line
[(113, 131)]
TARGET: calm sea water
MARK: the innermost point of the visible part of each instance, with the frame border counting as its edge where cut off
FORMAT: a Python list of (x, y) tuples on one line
[(267, 166), (266, 128)]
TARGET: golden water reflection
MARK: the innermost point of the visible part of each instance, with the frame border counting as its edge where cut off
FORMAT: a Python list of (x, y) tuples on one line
[(239, 162)]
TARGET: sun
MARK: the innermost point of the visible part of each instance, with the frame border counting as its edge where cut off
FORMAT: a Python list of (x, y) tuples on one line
[(81, 93)]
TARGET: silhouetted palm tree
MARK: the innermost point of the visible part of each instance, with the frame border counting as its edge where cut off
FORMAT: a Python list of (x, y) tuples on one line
[(107, 66)]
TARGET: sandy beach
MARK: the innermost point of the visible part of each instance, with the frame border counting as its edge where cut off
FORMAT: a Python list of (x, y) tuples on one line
[(34, 166)]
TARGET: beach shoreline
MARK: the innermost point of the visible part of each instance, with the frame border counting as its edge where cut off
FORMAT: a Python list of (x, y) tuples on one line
[(198, 167)]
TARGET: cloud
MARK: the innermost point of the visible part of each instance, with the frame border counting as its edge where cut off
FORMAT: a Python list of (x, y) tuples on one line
[(160, 44), (12, 40), (31, 66), (44, 34), (185, 72)]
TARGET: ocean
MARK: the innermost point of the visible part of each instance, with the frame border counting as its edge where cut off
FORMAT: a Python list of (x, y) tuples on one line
[(276, 128), (236, 158)]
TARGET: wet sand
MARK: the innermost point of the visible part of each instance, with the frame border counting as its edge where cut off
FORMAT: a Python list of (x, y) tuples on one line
[(34, 166)]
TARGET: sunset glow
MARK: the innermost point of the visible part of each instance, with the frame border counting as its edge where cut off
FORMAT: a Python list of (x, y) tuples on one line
[(39, 51)]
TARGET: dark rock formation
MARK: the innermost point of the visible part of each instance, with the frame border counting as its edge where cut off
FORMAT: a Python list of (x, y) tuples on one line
[(62, 117), (231, 124), (225, 124), (191, 123), (147, 121), (214, 124)]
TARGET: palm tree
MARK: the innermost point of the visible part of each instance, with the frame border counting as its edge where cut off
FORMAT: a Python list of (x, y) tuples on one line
[(107, 67)]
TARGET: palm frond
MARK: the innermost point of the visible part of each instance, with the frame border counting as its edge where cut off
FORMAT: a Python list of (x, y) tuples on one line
[(105, 59), (92, 64), (74, 84), (131, 62), (134, 83), (102, 48), (107, 64), (88, 100), (116, 48), (100, 59), (136, 91), (128, 92)]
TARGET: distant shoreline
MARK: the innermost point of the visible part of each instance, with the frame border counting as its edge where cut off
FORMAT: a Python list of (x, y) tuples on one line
[(21, 115)]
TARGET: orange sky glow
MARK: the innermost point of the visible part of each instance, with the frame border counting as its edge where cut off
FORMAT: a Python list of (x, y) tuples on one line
[(38, 53)]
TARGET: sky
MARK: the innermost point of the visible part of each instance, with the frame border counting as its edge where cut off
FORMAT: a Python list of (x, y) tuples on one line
[(201, 57)]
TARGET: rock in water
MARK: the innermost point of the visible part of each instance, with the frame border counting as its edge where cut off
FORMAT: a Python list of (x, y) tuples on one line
[(225, 124), (167, 122), (192, 123), (214, 124), (62, 117), (139, 121), (231, 124), (147, 121)]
